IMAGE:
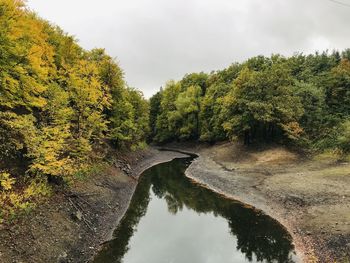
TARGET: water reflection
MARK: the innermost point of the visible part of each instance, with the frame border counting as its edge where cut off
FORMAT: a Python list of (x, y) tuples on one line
[(171, 219)]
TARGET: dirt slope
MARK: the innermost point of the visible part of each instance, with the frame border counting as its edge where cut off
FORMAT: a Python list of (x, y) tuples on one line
[(71, 226)]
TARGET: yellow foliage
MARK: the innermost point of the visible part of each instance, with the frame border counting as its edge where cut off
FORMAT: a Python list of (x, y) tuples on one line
[(14, 202), (6, 181), (293, 130), (55, 104)]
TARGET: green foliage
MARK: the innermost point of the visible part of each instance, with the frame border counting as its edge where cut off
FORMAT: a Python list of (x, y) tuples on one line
[(212, 113), (338, 90), (195, 79), (303, 100), (141, 115), (187, 110), (313, 102), (129, 120), (344, 137), (125, 108), (86, 171), (155, 108), (262, 104), (166, 124)]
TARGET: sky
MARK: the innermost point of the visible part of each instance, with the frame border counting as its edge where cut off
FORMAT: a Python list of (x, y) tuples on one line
[(158, 40)]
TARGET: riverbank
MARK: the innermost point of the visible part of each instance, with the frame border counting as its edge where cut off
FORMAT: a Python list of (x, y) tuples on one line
[(311, 198), (72, 225)]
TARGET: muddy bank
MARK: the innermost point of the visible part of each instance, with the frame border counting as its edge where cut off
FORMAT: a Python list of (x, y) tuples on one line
[(311, 198), (73, 224)]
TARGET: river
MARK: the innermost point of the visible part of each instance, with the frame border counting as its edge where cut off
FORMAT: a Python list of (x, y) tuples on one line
[(171, 219)]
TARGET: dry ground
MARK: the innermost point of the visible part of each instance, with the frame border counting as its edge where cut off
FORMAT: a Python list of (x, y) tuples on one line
[(53, 233), (311, 197)]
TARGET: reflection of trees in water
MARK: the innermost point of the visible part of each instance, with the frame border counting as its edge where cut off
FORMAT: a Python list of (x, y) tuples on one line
[(257, 234), (115, 250)]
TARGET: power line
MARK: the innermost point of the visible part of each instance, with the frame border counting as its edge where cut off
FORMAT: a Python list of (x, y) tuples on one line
[(340, 3)]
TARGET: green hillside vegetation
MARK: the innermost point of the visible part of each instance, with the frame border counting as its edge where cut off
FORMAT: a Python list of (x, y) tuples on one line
[(302, 100)]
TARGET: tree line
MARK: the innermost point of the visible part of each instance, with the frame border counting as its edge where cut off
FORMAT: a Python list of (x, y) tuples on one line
[(58, 104), (302, 100)]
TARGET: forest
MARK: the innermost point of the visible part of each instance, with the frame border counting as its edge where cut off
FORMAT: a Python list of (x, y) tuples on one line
[(300, 101), (59, 106), (62, 107)]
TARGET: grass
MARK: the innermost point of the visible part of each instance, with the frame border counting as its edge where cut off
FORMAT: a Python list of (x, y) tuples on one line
[(90, 170), (332, 156)]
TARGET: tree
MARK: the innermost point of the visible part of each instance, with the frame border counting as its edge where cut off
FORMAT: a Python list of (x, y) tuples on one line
[(167, 121), (313, 102), (211, 115), (338, 90), (187, 112), (155, 108), (88, 102), (49, 149), (263, 106), (141, 116), (195, 79), (57, 100), (344, 136)]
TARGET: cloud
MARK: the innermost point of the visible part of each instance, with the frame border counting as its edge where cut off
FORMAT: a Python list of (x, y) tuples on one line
[(157, 40)]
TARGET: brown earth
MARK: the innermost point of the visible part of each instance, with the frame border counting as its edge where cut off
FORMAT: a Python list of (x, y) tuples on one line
[(73, 224), (310, 197)]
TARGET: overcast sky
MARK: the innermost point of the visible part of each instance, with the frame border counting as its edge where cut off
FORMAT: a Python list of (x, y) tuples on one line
[(158, 40)]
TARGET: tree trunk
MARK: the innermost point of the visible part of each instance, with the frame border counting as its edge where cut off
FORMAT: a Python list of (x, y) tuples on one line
[(247, 137)]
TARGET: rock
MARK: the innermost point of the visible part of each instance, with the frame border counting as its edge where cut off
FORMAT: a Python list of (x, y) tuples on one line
[(78, 215), (62, 258), (294, 199)]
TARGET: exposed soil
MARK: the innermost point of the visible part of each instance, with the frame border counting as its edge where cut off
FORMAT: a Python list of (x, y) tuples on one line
[(73, 224), (311, 198)]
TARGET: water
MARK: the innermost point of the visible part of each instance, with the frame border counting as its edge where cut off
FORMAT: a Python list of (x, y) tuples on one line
[(173, 220)]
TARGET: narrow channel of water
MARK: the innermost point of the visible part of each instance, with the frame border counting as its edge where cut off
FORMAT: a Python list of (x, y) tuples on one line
[(173, 220)]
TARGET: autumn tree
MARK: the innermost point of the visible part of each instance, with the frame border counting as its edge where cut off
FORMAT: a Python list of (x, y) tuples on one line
[(58, 101)]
